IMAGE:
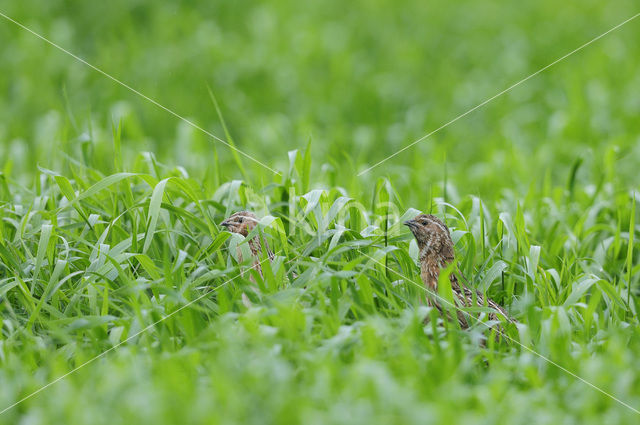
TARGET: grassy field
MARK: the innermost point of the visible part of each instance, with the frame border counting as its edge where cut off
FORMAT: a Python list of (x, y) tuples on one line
[(110, 209)]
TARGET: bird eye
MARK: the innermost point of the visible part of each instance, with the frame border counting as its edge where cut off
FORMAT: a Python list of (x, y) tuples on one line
[(240, 219)]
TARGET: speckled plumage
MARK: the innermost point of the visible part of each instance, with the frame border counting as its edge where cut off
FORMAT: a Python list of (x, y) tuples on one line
[(437, 252), (243, 222)]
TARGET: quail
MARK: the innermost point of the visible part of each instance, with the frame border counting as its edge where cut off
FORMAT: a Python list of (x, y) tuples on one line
[(243, 222), (436, 253)]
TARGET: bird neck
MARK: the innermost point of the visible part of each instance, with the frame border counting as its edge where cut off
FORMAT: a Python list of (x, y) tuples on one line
[(429, 254), (256, 247)]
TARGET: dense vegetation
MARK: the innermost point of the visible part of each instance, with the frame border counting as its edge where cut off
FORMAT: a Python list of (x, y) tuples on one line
[(110, 209)]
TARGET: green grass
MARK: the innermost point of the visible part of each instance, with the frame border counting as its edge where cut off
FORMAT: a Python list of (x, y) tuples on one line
[(110, 212)]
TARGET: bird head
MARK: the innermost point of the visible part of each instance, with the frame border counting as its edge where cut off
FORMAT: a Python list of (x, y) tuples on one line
[(241, 222), (430, 233)]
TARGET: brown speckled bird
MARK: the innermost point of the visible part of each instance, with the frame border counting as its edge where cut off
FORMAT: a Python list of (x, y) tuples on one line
[(243, 222), (436, 253)]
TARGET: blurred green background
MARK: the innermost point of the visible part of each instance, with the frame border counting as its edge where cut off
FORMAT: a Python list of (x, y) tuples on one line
[(360, 80), (544, 179)]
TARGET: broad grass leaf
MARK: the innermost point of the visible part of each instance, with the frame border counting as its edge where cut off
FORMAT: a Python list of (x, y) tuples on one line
[(154, 213), (491, 275), (103, 184), (43, 245), (611, 293), (578, 290)]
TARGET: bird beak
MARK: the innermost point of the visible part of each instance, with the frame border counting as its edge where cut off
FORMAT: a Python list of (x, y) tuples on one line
[(409, 223), (225, 224)]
